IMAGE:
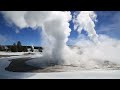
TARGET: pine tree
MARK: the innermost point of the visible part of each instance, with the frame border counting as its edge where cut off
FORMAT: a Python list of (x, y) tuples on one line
[(14, 48), (19, 46), (0, 48), (40, 49), (25, 49)]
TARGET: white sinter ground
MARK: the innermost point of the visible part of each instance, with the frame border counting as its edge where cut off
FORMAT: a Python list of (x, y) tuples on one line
[(83, 74)]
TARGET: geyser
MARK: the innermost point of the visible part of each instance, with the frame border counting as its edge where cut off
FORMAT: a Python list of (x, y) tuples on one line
[(55, 32), (55, 29)]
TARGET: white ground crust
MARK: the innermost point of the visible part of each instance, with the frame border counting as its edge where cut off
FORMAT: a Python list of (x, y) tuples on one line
[(108, 74), (84, 74), (11, 53)]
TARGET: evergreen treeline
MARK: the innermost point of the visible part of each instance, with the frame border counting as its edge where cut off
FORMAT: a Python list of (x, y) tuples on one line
[(17, 47)]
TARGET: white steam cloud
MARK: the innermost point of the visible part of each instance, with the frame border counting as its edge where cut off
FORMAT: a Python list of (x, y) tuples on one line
[(106, 49), (54, 24), (55, 32), (15, 17), (85, 21)]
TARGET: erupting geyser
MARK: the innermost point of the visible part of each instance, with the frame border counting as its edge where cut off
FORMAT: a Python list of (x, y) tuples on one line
[(55, 32), (55, 29)]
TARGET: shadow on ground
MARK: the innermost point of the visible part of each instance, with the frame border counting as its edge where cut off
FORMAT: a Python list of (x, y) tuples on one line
[(19, 65)]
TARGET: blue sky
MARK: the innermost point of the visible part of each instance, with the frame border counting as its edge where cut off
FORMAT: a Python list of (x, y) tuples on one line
[(108, 24)]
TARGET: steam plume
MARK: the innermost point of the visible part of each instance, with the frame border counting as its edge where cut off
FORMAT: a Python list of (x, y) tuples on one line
[(84, 20), (54, 24)]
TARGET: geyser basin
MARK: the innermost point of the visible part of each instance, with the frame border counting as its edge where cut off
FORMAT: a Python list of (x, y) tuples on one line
[(55, 32), (38, 65), (51, 65)]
